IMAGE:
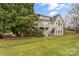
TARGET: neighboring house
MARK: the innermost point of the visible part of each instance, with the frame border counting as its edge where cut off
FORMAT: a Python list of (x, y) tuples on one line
[(51, 25)]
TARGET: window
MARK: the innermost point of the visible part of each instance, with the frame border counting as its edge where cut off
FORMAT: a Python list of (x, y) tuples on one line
[(61, 31), (55, 31), (62, 24), (59, 24), (58, 31), (59, 21)]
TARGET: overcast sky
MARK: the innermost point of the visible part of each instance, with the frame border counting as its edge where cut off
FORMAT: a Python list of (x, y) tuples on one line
[(51, 9)]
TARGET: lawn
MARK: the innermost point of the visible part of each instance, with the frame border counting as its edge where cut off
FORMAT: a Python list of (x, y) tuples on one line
[(67, 45)]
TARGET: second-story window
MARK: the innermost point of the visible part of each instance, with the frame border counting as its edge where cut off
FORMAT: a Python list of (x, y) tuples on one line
[(59, 24)]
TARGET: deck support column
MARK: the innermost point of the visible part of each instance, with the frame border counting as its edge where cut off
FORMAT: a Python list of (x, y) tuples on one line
[(44, 31)]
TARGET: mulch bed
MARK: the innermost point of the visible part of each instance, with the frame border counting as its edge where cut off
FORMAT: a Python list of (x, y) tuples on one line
[(16, 38), (71, 33)]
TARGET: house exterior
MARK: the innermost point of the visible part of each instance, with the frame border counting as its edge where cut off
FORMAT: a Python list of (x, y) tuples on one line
[(51, 25)]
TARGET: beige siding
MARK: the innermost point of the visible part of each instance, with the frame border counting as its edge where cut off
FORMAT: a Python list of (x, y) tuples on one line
[(59, 26), (45, 23)]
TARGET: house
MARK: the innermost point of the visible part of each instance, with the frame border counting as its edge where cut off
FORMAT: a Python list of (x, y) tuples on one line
[(51, 25)]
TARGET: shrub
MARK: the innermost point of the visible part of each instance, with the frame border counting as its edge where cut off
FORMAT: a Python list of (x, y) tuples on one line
[(37, 32)]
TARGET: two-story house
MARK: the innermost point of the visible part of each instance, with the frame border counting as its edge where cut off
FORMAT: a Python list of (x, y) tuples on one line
[(51, 25)]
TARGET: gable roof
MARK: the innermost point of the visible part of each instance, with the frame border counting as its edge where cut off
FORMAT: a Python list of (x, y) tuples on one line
[(53, 18), (46, 18), (42, 15)]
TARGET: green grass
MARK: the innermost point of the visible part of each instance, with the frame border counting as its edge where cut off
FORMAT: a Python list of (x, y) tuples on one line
[(67, 45)]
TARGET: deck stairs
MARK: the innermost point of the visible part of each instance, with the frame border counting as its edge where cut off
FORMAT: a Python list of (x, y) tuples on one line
[(49, 30)]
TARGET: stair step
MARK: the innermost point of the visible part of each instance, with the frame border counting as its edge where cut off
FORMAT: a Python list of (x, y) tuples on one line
[(47, 33)]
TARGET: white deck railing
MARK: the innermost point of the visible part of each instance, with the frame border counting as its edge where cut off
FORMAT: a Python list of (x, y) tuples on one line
[(44, 25), (49, 30)]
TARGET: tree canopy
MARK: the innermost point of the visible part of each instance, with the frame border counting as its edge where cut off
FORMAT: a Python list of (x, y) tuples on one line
[(17, 18), (73, 17)]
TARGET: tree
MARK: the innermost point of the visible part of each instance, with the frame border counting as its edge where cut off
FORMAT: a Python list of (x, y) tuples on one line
[(18, 18), (74, 16)]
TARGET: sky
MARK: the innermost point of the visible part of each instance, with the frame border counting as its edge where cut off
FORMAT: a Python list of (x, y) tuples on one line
[(51, 9)]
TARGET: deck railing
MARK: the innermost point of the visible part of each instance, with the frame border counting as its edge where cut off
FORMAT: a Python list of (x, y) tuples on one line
[(43, 25)]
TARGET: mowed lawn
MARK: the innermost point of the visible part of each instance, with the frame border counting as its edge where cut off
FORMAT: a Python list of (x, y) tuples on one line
[(66, 45)]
